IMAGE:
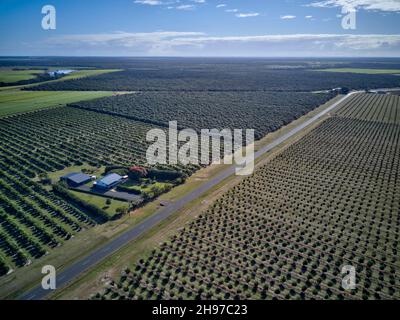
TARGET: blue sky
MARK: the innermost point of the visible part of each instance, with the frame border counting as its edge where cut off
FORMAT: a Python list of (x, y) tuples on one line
[(200, 28)]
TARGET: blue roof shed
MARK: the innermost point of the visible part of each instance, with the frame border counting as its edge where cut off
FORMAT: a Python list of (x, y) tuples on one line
[(109, 181), (76, 178)]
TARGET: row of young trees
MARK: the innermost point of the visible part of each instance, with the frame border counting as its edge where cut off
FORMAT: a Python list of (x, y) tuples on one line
[(327, 201), (372, 107), (50, 140), (34, 220)]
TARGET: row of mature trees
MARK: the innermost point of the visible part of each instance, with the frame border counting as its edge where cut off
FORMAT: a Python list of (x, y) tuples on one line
[(262, 111), (35, 220), (32, 220), (327, 201), (372, 107), (50, 140), (11, 250), (21, 238), (3, 268), (222, 77)]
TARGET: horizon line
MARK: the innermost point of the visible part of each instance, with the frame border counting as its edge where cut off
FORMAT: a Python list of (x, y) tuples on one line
[(230, 57)]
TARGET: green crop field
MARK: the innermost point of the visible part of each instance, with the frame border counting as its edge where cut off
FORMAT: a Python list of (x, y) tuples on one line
[(15, 101), (87, 73), (362, 71), (11, 76)]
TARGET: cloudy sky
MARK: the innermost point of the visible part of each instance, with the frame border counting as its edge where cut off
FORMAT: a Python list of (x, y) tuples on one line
[(260, 28)]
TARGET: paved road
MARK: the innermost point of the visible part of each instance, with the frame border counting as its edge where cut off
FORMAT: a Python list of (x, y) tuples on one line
[(100, 254)]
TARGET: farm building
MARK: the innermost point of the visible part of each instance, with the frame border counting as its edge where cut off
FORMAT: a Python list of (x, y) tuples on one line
[(109, 181), (76, 179)]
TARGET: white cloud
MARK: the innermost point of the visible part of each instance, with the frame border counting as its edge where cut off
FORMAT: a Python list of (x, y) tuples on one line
[(199, 44), (381, 5), (169, 3), (125, 39), (231, 10), (220, 5), (247, 15), (288, 17), (308, 17), (149, 2), (349, 41), (186, 7)]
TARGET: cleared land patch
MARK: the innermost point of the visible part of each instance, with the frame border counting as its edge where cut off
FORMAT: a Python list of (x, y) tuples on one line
[(16, 101), (331, 199), (10, 76), (87, 73)]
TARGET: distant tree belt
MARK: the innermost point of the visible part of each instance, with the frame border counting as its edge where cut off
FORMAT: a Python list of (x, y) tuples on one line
[(262, 111), (229, 77), (33, 68), (201, 64)]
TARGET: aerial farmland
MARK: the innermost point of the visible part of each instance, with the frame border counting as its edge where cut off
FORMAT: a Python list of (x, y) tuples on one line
[(75, 180), (329, 200), (199, 159)]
